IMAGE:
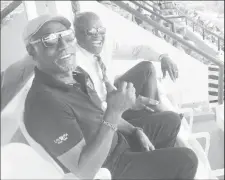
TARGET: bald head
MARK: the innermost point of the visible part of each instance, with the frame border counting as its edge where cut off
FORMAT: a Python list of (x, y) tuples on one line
[(89, 31), (84, 19)]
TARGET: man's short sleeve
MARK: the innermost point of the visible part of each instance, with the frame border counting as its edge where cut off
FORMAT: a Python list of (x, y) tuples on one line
[(52, 123)]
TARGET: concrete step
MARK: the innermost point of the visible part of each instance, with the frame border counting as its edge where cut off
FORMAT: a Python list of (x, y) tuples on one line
[(201, 111), (204, 117)]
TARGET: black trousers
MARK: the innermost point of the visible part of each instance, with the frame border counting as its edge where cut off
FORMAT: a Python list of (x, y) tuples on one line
[(166, 162), (143, 76)]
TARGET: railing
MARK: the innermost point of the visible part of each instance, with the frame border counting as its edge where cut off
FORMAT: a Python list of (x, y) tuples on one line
[(175, 17), (156, 14), (11, 7), (182, 16), (204, 29), (180, 40), (165, 5), (154, 7), (221, 85), (194, 23)]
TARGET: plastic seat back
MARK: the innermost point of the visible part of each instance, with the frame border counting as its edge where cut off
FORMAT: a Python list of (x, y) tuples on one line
[(20, 161)]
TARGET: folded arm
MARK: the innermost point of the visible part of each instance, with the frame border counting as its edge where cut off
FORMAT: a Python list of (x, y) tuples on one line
[(128, 51), (134, 52), (125, 127), (96, 150), (129, 130), (87, 157)]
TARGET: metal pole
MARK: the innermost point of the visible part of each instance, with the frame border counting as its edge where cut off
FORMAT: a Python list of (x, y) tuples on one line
[(143, 7), (218, 44), (154, 8), (173, 27), (203, 33), (221, 85), (8, 9), (200, 25)]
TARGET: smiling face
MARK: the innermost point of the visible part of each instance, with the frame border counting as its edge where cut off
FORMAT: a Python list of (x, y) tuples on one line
[(59, 55), (90, 34)]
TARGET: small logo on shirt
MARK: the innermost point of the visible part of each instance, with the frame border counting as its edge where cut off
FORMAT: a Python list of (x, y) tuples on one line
[(61, 139)]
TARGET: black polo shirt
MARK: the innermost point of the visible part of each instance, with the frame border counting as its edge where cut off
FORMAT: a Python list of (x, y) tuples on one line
[(58, 116)]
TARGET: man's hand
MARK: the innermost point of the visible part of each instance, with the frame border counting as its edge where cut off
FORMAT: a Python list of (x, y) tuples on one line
[(143, 102), (121, 99), (144, 141), (168, 65)]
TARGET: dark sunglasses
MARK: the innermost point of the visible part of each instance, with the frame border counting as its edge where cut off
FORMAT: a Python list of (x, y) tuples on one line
[(53, 39), (96, 31)]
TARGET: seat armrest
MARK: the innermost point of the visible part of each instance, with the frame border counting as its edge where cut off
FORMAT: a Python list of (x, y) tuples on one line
[(103, 174)]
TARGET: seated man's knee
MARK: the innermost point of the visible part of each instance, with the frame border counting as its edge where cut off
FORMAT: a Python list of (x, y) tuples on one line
[(190, 162), (147, 65), (189, 154), (172, 118)]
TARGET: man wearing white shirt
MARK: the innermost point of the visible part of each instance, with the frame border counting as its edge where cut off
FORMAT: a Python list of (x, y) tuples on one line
[(92, 40), (93, 50)]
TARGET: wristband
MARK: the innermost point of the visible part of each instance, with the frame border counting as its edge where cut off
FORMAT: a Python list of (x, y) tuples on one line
[(138, 128), (135, 131), (113, 127), (162, 56)]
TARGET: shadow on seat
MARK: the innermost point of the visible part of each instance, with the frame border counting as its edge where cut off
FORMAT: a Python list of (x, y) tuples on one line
[(20, 161)]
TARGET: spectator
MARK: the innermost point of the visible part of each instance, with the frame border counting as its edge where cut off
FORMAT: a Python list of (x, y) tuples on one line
[(64, 115)]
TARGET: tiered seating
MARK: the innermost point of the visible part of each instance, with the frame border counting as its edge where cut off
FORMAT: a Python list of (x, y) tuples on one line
[(20, 161), (181, 30), (185, 137)]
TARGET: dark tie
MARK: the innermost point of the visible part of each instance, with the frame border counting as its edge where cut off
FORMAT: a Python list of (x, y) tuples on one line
[(102, 67), (109, 86)]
